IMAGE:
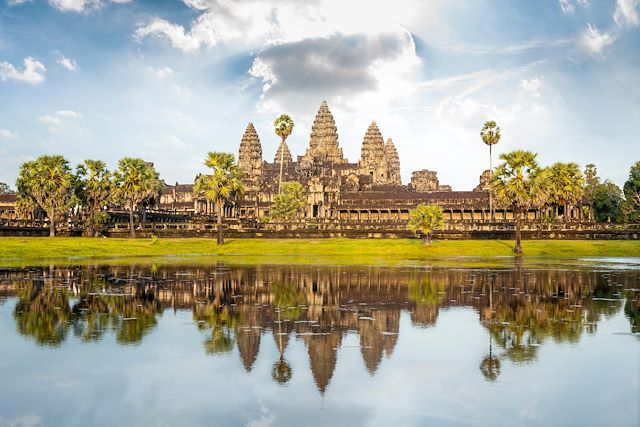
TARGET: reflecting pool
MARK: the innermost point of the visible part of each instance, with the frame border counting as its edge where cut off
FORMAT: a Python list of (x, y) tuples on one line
[(283, 345)]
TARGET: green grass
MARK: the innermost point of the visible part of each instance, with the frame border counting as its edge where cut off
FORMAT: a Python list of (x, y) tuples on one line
[(25, 251)]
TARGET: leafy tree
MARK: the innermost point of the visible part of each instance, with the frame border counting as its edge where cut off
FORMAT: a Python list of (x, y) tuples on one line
[(5, 189), (591, 182), (96, 189), (283, 128), (565, 184), (607, 201), (631, 207), (47, 183), (490, 135), (134, 181), (425, 219), (290, 202), (521, 184), (222, 185)]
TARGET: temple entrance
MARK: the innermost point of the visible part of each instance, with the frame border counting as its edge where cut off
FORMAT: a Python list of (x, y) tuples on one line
[(315, 211)]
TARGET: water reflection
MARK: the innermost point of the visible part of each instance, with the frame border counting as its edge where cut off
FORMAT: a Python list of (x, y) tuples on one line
[(235, 308)]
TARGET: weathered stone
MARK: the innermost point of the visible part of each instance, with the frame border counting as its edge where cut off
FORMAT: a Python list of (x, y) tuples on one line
[(373, 161), (250, 153), (425, 181), (323, 143), (484, 181), (286, 156), (393, 163)]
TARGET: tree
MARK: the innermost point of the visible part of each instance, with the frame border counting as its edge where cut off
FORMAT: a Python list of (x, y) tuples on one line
[(47, 183), (566, 185), (631, 206), (5, 189), (222, 185), (96, 188), (607, 201), (290, 202), (425, 219), (591, 182), (520, 184), (134, 181), (283, 128), (490, 134)]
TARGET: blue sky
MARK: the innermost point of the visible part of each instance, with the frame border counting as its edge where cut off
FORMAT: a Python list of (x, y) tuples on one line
[(169, 80)]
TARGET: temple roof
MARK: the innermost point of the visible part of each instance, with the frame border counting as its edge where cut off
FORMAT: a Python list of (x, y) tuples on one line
[(323, 142), (287, 158)]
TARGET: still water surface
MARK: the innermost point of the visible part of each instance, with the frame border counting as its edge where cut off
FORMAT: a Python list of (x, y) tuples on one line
[(273, 345)]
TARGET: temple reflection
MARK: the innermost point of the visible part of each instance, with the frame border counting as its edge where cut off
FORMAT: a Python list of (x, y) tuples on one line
[(235, 308)]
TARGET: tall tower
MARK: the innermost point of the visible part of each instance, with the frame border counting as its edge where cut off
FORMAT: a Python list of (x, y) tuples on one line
[(250, 158), (393, 162), (323, 143), (373, 161)]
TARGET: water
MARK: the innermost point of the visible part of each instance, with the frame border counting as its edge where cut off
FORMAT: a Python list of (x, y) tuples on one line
[(232, 345)]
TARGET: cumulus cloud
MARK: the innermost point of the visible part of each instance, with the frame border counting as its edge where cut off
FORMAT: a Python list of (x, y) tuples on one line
[(68, 63), (80, 5), (57, 120), (532, 85), (626, 13), (7, 134), (339, 67), (33, 73), (569, 6), (593, 42)]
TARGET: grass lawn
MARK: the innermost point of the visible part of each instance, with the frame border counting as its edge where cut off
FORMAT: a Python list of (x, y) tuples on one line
[(35, 250)]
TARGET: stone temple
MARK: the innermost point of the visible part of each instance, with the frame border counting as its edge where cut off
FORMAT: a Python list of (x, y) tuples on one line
[(370, 189)]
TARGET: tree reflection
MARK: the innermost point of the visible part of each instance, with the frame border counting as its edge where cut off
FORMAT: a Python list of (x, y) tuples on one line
[(43, 315)]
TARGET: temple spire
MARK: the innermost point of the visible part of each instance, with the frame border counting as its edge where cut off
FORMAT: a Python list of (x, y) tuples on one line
[(393, 163), (373, 161), (323, 143), (287, 153)]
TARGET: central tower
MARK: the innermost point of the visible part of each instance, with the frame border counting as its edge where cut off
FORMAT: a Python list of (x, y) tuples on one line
[(323, 144)]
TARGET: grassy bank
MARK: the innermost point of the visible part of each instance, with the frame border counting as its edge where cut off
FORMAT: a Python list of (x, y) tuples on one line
[(37, 250)]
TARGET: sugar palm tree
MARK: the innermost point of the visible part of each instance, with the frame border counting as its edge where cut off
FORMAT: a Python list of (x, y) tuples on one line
[(134, 181), (223, 184), (96, 188), (566, 185), (521, 184), (490, 134), (283, 128), (48, 183)]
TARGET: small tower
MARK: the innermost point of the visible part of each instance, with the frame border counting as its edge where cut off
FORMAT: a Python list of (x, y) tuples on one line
[(323, 143), (373, 161), (287, 154), (393, 162)]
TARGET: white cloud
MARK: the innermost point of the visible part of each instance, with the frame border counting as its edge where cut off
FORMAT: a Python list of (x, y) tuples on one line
[(569, 6), (7, 134), (532, 85), (68, 63), (626, 13), (33, 73), (17, 2), (593, 42), (162, 72), (80, 5), (57, 120)]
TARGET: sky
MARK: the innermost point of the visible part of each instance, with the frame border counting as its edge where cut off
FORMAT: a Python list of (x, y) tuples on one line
[(170, 80)]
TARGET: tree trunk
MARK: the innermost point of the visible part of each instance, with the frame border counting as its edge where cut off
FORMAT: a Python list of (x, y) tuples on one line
[(428, 239), (490, 192), (132, 232), (52, 227), (220, 236), (518, 247), (281, 165), (91, 223)]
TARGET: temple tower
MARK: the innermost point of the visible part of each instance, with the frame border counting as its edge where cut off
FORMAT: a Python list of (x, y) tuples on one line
[(373, 161), (393, 162), (287, 154), (323, 143), (250, 157)]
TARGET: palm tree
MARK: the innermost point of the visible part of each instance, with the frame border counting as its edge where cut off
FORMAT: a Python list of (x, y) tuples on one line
[(223, 184), (426, 219), (283, 127), (521, 184), (96, 188), (134, 181), (490, 134), (48, 183), (566, 185)]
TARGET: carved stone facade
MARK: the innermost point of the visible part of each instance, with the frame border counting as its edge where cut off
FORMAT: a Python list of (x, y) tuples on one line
[(250, 158), (373, 159), (323, 144)]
